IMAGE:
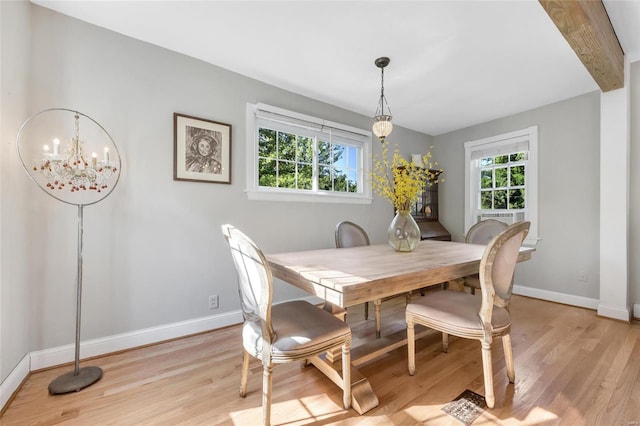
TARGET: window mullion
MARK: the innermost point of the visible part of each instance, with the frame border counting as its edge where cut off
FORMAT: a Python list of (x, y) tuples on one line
[(315, 176), (333, 163), (296, 162), (277, 159)]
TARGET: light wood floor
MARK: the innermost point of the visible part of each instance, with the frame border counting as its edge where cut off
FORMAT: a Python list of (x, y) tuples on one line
[(572, 368)]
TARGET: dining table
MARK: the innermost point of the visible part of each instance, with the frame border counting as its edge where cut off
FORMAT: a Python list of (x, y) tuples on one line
[(346, 277)]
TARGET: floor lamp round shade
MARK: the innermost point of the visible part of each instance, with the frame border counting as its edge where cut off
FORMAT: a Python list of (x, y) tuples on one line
[(69, 155), (72, 158)]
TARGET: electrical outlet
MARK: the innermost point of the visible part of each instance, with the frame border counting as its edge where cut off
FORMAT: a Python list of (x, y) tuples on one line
[(213, 302), (582, 276)]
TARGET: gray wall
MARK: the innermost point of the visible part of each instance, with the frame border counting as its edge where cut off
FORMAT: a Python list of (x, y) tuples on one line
[(153, 250), (15, 193), (568, 211), (634, 197)]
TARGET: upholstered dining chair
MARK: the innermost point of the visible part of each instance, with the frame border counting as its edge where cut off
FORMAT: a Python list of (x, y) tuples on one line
[(481, 233), (284, 332), (472, 317), (349, 234)]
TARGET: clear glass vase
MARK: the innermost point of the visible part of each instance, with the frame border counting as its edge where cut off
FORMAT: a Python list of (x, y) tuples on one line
[(403, 233)]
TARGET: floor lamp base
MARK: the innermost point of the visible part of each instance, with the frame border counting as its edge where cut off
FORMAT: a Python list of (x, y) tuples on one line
[(70, 382)]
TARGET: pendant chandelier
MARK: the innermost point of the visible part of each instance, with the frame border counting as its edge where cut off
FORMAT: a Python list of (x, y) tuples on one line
[(382, 121)]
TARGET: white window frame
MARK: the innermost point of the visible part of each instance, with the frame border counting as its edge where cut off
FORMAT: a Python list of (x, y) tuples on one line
[(360, 137), (498, 145)]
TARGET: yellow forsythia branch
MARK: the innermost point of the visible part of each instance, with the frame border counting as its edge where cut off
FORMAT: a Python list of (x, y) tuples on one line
[(400, 181)]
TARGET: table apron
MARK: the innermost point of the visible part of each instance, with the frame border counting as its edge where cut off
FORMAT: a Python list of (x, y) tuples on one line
[(388, 287)]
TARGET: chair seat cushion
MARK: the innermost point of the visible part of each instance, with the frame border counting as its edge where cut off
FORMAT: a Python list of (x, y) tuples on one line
[(301, 329), (456, 313)]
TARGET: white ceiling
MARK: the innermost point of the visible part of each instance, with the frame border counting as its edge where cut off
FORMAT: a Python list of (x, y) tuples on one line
[(453, 63)]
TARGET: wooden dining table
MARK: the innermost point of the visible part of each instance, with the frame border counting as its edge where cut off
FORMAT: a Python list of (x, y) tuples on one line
[(349, 276)]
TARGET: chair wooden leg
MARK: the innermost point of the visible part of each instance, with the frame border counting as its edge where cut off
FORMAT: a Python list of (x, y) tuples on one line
[(508, 357), (411, 346), (245, 374), (346, 374), (366, 310), (266, 392), (377, 304), (445, 342), (488, 374)]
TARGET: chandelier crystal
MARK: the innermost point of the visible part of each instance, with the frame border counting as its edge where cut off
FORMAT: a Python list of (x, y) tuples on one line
[(72, 169), (382, 125)]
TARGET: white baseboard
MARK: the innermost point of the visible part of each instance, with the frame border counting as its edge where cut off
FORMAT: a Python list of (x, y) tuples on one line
[(63, 354), (96, 347), (616, 312), (13, 380), (553, 296), (90, 348)]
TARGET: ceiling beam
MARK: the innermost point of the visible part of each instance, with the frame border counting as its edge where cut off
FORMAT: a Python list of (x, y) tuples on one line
[(586, 26)]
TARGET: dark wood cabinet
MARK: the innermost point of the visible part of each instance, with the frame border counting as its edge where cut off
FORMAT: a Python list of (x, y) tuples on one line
[(425, 212)]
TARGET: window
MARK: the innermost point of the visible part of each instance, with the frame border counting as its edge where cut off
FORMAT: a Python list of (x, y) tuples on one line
[(502, 182), (501, 179), (296, 157)]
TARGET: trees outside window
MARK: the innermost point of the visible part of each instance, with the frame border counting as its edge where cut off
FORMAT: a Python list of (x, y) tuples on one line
[(286, 160), (297, 156), (502, 182)]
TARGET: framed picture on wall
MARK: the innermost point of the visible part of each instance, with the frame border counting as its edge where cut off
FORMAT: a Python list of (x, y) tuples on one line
[(202, 150)]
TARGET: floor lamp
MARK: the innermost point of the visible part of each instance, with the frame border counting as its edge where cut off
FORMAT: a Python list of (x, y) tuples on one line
[(70, 172)]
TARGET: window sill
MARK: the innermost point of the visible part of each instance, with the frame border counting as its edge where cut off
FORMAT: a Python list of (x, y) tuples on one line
[(307, 198), (531, 241)]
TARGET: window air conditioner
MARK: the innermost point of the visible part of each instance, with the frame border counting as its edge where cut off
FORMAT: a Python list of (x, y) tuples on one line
[(506, 217)]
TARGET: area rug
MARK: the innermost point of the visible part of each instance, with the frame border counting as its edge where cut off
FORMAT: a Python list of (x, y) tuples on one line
[(466, 407)]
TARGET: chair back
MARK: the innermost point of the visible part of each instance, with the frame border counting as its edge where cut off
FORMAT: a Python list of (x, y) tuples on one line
[(255, 282), (484, 231), (348, 234), (498, 265)]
